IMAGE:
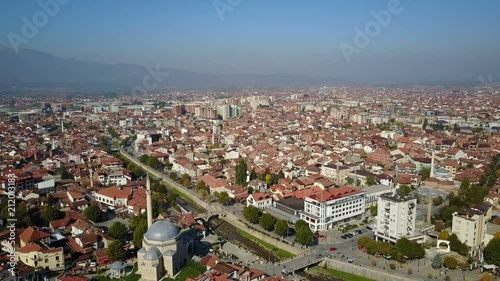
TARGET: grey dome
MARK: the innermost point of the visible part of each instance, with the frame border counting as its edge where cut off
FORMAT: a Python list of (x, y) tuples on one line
[(152, 254), (162, 231), (117, 265)]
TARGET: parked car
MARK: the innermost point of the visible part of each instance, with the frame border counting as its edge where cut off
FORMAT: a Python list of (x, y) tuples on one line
[(350, 260), (369, 228), (333, 249)]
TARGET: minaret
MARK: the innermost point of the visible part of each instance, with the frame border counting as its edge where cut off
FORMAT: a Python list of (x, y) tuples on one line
[(432, 164), (429, 209), (149, 202), (91, 178), (62, 125), (337, 172)]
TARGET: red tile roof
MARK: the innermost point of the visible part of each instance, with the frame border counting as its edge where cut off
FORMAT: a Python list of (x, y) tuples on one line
[(32, 234)]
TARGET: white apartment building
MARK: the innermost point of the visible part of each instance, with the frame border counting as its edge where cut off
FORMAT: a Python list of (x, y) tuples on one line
[(323, 210), (470, 224), (396, 216)]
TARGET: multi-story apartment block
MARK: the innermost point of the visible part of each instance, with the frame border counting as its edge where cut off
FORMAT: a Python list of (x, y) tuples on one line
[(469, 224), (325, 209), (396, 216)]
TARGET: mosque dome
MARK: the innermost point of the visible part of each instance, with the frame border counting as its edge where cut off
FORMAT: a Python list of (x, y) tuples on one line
[(162, 231), (152, 254)]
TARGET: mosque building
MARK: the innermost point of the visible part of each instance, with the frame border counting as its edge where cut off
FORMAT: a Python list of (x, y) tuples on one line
[(165, 249)]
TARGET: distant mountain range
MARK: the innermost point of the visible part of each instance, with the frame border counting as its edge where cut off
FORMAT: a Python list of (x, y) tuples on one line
[(34, 69)]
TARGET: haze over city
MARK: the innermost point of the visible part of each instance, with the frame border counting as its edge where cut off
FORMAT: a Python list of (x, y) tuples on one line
[(421, 42)]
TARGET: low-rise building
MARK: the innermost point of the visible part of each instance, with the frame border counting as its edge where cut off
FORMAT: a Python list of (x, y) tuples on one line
[(259, 199), (41, 256)]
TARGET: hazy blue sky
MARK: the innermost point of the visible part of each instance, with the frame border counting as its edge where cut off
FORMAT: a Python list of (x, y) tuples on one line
[(425, 41)]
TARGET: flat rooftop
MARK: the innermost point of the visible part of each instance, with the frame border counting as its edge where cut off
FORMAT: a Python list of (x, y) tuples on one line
[(292, 203)]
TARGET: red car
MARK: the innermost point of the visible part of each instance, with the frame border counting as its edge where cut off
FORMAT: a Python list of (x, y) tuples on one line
[(320, 236), (333, 249)]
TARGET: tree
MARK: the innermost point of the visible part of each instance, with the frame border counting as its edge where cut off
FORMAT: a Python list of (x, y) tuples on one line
[(223, 198), (51, 200), (492, 252), (201, 185), (425, 172), (251, 214), (153, 162), (171, 199), (437, 201), (144, 158), (64, 173), (118, 230), (365, 242), (374, 210), (186, 180), (304, 236), (269, 179), (202, 193), (253, 175), (93, 213), (241, 173), (409, 249), (370, 180), (444, 235), (471, 194), (115, 251), (50, 213), (173, 176), (450, 262), (439, 225), (425, 123), (135, 221), (455, 243), (404, 190), (267, 221), (281, 227), (437, 261), (301, 224), (486, 277), (350, 181), (167, 164), (139, 232)]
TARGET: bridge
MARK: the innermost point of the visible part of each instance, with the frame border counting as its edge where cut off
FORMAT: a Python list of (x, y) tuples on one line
[(301, 263)]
